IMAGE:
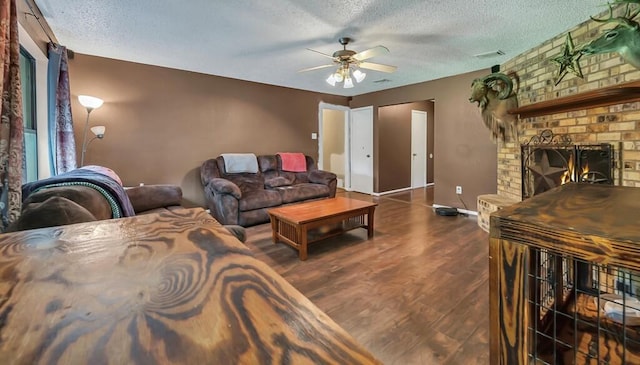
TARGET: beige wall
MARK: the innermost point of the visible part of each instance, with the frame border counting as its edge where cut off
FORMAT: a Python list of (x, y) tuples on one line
[(463, 152), (333, 154), (163, 123)]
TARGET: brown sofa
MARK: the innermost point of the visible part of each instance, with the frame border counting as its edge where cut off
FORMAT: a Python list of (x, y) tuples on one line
[(244, 198), (49, 205), (62, 205)]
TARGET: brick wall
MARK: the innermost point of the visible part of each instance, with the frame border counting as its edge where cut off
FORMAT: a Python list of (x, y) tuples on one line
[(616, 124)]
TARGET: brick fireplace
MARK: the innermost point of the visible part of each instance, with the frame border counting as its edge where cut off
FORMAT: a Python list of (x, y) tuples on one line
[(604, 108), (615, 123)]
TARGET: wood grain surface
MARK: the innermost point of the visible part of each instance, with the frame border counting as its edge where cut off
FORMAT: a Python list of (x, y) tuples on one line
[(319, 209), (166, 288), (300, 224), (595, 223)]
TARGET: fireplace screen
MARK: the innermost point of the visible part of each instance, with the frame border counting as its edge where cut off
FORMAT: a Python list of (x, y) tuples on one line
[(549, 161)]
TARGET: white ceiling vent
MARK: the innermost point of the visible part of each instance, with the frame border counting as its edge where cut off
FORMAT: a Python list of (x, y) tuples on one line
[(490, 54)]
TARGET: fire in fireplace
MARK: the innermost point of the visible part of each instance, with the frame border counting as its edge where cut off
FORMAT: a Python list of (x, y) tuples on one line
[(549, 161)]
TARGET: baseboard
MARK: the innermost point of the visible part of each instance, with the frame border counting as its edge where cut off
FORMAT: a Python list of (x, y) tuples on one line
[(465, 211), (391, 191)]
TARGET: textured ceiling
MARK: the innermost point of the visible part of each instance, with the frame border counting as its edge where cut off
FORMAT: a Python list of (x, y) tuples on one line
[(265, 40)]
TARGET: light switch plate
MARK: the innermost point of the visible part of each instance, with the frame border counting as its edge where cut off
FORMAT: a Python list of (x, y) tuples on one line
[(314, 135)]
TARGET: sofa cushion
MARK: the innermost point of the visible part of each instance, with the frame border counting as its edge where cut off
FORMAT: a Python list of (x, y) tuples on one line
[(275, 182), (299, 192), (296, 177), (151, 197), (86, 197), (247, 182), (257, 199), (268, 166), (54, 211)]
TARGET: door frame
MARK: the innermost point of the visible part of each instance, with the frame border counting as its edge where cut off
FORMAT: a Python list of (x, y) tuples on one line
[(347, 139)]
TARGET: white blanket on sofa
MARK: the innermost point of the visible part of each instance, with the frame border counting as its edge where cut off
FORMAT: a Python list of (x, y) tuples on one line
[(240, 162)]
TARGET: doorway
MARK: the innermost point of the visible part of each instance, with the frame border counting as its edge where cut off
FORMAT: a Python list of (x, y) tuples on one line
[(332, 146), (345, 145), (404, 150)]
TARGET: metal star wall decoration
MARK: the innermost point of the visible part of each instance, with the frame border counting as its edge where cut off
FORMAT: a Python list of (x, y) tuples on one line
[(569, 60)]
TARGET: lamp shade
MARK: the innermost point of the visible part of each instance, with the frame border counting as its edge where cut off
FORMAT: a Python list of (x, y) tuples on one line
[(348, 83), (359, 75), (98, 130), (90, 102), (331, 80)]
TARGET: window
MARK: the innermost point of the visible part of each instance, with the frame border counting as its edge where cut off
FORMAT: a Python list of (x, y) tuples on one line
[(28, 78)]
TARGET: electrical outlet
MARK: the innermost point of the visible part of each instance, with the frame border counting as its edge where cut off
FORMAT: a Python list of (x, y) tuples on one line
[(458, 189)]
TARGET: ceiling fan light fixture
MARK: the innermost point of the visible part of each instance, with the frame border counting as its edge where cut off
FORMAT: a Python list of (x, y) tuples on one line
[(349, 63), (348, 83), (359, 75), (331, 80)]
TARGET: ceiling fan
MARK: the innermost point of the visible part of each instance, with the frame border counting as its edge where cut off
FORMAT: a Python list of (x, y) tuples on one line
[(346, 60)]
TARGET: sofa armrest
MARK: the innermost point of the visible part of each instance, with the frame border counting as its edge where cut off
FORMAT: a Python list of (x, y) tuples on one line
[(224, 186), (322, 177), (148, 197)]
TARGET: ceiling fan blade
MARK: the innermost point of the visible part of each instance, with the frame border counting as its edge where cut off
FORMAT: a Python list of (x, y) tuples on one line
[(371, 52), (377, 67), (315, 68), (324, 54)]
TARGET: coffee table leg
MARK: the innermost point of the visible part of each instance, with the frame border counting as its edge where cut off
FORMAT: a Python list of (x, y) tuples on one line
[(274, 229), (370, 222), (302, 250)]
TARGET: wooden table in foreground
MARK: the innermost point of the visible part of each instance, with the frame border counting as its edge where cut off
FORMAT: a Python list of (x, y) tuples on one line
[(169, 288), (300, 224)]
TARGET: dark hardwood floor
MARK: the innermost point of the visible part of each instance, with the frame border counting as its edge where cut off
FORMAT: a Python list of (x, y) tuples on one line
[(416, 293)]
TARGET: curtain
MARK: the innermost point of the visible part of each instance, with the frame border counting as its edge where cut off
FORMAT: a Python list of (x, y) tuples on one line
[(62, 142), (11, 125)]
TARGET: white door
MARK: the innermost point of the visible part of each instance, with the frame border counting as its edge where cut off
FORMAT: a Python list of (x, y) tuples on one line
[(418, 149), (361, 138)]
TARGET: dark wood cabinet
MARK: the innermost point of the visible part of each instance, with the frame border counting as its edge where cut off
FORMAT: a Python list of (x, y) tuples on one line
[(565, 277)]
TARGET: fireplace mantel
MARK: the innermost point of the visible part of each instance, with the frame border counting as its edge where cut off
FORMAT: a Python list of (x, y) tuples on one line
[(611, 95)]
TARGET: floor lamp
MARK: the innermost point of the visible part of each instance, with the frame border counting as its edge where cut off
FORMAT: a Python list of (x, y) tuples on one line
[(91, 103)]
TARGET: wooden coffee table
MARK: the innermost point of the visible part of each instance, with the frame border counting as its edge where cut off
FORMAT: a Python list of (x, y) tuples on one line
[(300, 224)]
